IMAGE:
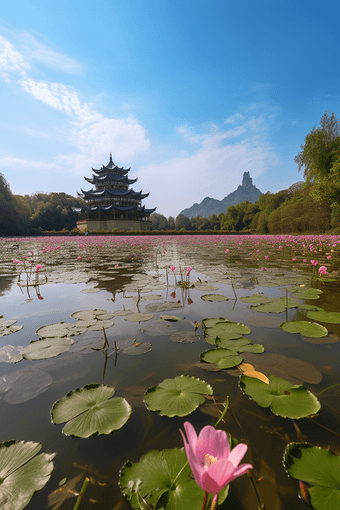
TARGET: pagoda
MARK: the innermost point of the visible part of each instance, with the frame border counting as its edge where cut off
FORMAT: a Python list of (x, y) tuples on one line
[(111, 204)]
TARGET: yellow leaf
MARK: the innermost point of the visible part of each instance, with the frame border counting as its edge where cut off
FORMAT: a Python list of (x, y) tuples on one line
[(246, 367), (256, 375)]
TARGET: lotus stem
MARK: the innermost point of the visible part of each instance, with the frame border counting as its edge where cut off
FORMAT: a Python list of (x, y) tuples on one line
[(205, 500), (226, 406), (260, 505), (81, 493)]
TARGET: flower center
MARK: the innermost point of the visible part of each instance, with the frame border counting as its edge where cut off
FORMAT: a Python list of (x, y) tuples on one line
[(209, 459)]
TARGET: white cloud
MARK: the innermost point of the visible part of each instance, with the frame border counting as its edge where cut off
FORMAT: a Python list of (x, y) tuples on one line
[(35, 51), (12, 162), (214, 170), (11, 59)]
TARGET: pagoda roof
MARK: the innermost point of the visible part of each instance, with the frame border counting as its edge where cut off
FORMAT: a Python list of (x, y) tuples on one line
[(111, 166), (108, 192), (109, 208), (97, 179)]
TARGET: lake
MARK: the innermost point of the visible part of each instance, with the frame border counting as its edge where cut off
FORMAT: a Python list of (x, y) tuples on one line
[(128, 281)]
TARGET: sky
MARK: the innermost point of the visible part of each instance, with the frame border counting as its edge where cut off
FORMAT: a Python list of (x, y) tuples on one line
[(188, 93)]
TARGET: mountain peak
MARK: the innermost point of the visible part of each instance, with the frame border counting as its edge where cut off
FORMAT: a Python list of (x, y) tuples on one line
[(245, 191)]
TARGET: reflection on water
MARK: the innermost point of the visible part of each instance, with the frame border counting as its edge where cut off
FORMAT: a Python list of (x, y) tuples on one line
[(122, 274)]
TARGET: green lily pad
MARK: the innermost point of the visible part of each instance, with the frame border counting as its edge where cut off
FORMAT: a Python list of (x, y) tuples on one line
[(22, 472), (308, 293), (285, 399), (311, 308), (163, 479), (222, 358), (171, 318), (46, 348), (91, 410), (320, 469), (177, 397), (226, 330), (322, 316), (88, 314), (55, 330), (277, 305), (232, 344), (256, 299), (137, 349), (185, 337), (138, 317), (214, 297), (305, 328)]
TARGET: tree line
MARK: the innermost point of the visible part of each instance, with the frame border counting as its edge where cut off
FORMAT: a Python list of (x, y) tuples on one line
[(33, 214), (312, 205)]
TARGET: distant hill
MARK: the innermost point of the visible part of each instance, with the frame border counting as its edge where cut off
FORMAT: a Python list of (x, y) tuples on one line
[(208, 206)]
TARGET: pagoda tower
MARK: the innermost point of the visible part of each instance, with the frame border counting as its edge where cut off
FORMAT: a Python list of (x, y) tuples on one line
[(111, 204)]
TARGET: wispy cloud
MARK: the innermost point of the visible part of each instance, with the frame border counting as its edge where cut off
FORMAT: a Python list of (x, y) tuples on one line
[(13, 162), (215, 169), (11, 59), (38, 52)]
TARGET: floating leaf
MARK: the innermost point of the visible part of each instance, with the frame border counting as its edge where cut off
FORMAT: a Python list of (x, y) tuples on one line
[(307, 293), (222, 358), (138, 317), (171, 318), (91, 410), (10, 354), (233, 344), (250, 371), (305, 328), (88, 314), (163, 479), (158, 328), (47, 348), (21, 474), (138, 348), (177, 397), (226, 330), (99, 325), (214, 297), (185, 337), (322, 316), (285, 399), (256, 299), (55, 330), (320, 469), (311, 307)]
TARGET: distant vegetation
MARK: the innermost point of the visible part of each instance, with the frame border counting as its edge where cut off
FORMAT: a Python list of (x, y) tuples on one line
[(312, 206), (32, 214)]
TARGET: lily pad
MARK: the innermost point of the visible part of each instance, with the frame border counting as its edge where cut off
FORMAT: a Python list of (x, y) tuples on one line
[(319, 468), (172, 318), (305, 328), (10, 354), (47, 348), (177, 397), (138, 348), (285, 399), (185, 337), (222, 358), (22, 473), (88, 314), (158, 328), (168, 305), (308, 294), (311, 308), (226, 330), (91, 410), (214, 297), (322, 316), (87, 342), (163, 479), (138, 317), (256, 299), (55, 330)]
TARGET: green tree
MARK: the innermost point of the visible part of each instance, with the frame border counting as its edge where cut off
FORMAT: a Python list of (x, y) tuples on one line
[(321, 148)]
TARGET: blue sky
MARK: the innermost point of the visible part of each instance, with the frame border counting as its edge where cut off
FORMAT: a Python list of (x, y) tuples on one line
[(189, 94)]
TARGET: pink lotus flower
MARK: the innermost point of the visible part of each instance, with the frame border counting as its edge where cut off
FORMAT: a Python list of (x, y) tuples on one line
[(212, 463), (38, 266), (227, 250), (188, 270), (172, 268), (314, 262), (79, 258), (323, 270), (328, 257)]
